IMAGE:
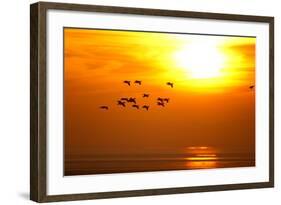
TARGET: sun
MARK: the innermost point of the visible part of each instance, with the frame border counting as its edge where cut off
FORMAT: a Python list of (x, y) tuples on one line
[(200, 60)]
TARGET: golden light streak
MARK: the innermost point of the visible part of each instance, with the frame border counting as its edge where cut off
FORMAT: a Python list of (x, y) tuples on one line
[(201, 164), (200, 158)]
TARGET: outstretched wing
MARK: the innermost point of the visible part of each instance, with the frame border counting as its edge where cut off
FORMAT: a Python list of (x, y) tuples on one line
[(127, 82)]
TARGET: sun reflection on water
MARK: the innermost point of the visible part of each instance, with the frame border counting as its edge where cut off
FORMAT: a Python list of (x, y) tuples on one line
[(201, 157)]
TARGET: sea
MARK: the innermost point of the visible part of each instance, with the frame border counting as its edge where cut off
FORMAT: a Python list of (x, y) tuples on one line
[(189, 158)]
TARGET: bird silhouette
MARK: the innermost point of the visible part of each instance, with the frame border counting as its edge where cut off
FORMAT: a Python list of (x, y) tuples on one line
[(136, 106), (252, 86), (127, 82), (161, 104), (119, 102), (124, 99), (166, 100), (170, 84), (104, 107), (160, 99), (133, 100), (138, 82), (145, 95), (145, 107)]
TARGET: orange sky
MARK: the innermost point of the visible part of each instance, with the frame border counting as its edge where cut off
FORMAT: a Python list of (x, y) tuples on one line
[(210, 105)]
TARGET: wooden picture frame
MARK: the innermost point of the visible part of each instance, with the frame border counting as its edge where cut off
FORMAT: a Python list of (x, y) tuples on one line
[(39, 111)]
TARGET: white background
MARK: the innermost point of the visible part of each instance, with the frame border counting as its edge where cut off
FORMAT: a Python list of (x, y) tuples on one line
[(14, 103)]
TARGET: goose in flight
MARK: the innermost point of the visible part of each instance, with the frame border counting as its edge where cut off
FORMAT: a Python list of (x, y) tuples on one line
[(133, 100), (136, 106), (145, 107), (104, 107), (170, 84), (138, 82), (119, 102), (160, 99), (127, 82), (145, 95), (124, 99), (161, 104)]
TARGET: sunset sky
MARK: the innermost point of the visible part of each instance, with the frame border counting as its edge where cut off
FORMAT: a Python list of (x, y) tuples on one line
[(211, 103)]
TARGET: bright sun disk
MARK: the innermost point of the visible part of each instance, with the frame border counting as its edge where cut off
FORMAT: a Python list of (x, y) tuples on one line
[(200, 60)]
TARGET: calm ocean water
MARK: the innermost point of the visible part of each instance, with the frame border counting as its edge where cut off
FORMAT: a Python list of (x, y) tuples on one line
[(189, 158)]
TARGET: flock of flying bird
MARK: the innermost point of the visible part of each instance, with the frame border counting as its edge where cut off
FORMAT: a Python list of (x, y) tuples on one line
[(130, 100), (123, 102)]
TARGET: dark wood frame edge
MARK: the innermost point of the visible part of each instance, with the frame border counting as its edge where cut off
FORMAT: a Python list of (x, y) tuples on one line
[(33, 102), (38, 174), (37, 102)]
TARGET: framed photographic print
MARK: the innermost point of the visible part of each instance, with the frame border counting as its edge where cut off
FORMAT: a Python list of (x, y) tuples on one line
[(134, 102)]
